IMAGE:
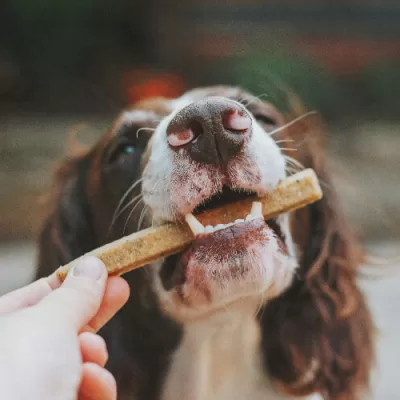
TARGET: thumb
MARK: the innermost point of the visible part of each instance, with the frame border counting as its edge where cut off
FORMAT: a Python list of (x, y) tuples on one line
[(79, 298)]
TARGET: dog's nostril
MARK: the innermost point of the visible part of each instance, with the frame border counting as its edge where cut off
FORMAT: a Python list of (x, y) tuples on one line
[(181, 138), (211, 131), (236, 121), (176, 139), (196, 128)]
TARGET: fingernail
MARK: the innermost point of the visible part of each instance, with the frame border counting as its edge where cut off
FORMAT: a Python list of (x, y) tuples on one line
[(88, 267)]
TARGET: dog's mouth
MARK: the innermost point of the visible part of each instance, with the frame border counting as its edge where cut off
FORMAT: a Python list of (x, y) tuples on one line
[(227, 196), (224, 251)]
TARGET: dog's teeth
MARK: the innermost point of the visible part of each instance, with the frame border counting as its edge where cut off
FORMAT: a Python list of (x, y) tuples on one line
[(230, 224), (209, 229), (238, 221), (256, 209), (194, 224), (219, 226), (249, 217)]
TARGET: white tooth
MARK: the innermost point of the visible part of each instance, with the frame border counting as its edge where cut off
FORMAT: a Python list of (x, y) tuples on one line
[(194, 224), (256, 209), (219, 226), (230, 224), (250, 217), (238, 221), (209, 229)]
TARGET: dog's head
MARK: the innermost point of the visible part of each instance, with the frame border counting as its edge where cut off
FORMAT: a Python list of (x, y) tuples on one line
[(167, 160)]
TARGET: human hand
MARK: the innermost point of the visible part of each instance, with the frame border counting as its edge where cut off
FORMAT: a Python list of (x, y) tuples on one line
[(48, 343)]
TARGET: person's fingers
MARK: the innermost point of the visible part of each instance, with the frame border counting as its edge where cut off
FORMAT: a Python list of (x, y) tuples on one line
[(24, 297), (93, 348), (97, 383), (29, 295), (115, 296), (78, 299)]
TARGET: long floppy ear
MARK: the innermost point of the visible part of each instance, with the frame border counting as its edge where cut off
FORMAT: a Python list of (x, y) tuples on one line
[(318, 335), (68, 232)]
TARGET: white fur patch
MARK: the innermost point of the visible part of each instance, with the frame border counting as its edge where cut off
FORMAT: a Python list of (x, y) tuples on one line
[(219, 359), (174, 184)]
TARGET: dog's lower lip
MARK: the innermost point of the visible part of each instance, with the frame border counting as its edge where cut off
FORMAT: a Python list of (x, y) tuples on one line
[(230, 229), (239, 224), (227, 243)]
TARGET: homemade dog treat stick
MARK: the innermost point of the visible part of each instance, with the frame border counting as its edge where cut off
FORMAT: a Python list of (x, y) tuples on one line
[(146, 246)]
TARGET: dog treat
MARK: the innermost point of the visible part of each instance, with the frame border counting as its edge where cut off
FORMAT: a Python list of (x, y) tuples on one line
[(146, 246)]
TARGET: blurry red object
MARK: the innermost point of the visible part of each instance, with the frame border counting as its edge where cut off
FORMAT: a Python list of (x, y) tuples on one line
[(141, 84)]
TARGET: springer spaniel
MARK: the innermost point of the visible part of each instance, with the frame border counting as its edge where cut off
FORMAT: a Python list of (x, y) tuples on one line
[(251, 310)]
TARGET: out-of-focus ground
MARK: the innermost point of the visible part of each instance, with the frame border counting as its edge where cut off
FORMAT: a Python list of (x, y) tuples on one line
[(364, 157)]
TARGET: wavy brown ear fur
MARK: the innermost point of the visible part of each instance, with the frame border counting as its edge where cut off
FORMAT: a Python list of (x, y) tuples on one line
[(318, 336), (68, 232)]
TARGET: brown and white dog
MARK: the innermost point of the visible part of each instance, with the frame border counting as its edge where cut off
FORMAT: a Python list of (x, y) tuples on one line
[(251, 310)]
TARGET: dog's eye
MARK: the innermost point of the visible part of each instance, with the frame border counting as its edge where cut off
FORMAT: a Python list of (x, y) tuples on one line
[(121, 152), (128, 149), (264, 119)]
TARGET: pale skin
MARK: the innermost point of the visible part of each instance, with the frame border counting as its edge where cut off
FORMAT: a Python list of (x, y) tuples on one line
[(49, 347)]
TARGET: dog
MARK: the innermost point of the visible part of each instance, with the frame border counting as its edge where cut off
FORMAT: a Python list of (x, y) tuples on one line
[(250, 310)]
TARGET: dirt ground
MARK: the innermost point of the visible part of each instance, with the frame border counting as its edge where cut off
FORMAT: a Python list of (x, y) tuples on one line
[(16, 267)]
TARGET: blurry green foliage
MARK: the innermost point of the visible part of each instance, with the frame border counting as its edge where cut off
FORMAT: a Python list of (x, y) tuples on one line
[(276, 75), (379, 84), (62, 42), (55, 36)]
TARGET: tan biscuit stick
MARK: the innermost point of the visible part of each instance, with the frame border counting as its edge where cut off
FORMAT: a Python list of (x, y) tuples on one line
[(143, 247)]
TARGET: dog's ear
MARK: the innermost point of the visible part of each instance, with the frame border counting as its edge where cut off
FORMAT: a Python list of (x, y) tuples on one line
[(68, 231), (318, 335)]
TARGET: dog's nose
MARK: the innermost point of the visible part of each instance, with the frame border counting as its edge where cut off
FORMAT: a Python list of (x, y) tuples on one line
[(211, 130)]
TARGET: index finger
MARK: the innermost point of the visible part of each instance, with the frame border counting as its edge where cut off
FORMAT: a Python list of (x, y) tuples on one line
[(29, 295)]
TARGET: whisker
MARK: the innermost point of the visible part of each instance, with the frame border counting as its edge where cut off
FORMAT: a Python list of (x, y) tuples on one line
[(294, 162), (250, 100), (144, 129), (125, 196), (142, 214), (130, 214), (284, 141), (245, 102), (290, 163), (261, 304), (287, 148), (131, 202), (291, 171), (281, 128), (265, 95), (324, 184)]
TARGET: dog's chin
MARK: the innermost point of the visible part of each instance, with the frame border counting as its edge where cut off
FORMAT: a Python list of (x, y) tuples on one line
[(245, 261)]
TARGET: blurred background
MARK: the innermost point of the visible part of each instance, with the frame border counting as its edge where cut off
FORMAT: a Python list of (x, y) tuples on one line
[(72, 65)]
